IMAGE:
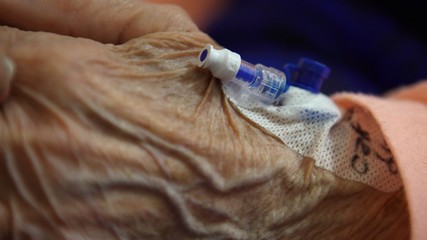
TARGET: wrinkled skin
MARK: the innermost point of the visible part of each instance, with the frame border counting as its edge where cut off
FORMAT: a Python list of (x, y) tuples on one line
[(132, 140)]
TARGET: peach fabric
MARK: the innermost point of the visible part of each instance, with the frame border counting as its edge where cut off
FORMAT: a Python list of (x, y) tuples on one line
[(402, 117)]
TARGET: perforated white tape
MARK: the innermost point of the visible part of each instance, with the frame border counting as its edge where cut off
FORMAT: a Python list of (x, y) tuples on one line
[(344, 143)]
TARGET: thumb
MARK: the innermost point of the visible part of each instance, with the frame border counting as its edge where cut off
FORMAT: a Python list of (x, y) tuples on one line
[(7, 70), (106, 21)]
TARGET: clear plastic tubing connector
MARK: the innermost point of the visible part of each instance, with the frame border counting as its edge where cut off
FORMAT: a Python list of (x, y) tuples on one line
[(258, 82)]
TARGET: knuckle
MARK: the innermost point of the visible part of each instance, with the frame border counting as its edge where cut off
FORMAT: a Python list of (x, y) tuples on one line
[(177, 18), (172, 8), (74, 6)]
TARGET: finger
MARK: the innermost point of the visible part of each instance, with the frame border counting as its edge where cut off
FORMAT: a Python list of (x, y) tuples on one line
[(107, 21), (43, 59), (7, 70)]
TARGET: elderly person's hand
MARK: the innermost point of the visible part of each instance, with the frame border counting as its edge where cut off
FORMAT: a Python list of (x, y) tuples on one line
[(110, 131)]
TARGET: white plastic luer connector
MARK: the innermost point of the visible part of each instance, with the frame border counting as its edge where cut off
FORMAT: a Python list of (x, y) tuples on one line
[(250, 83), (223, 64)]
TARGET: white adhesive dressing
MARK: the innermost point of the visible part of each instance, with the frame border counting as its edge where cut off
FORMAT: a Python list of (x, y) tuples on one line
[(343, 143)]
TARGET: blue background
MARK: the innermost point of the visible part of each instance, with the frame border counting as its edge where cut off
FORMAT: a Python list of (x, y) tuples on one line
[(371, 47)]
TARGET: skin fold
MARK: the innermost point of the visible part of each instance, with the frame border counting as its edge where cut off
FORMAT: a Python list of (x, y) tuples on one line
[(130, 139)]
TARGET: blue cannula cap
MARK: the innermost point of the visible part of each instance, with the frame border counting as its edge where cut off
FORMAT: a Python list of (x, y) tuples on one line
[(308, 74)]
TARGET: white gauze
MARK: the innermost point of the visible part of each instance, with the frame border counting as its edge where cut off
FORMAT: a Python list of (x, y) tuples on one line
[(312, 125)]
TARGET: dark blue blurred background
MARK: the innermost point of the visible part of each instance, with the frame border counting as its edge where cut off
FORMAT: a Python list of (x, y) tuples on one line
[(371, 47)]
